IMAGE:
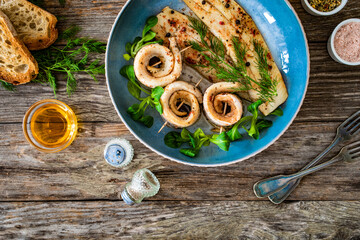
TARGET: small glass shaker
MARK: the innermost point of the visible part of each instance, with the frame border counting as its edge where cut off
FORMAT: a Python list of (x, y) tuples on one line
[(118, 152), (143, 184)]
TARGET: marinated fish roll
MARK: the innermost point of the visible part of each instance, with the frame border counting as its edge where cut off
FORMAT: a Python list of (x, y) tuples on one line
[(181, 104), (162, 74), (221, 106)]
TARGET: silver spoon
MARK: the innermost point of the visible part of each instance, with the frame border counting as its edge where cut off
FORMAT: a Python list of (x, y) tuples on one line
[(272, 185), (344, 132)]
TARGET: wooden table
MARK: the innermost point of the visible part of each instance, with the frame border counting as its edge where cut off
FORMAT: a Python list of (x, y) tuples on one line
[(73, 194)]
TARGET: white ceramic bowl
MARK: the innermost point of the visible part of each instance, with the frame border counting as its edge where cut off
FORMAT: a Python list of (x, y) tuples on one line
[(315, 12), (331, 47)]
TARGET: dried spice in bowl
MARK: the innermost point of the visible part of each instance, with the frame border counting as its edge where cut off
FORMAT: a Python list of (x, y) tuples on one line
[(325, 5)]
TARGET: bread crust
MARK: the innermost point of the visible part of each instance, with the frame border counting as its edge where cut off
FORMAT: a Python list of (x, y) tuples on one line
[(42, 43), (33, 69), (39, 43)]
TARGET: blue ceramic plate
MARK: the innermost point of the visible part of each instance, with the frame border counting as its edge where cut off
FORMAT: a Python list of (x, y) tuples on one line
[(283, 33)]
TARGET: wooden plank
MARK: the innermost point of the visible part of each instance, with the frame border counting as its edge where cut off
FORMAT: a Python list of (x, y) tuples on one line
[(333, 94), (180, 220), (80, 172)]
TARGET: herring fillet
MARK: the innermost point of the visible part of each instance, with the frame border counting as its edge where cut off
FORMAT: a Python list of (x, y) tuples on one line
[(222, 23), (217, 23)]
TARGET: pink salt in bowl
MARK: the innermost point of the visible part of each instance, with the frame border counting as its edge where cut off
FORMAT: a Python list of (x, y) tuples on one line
[(333, 44)]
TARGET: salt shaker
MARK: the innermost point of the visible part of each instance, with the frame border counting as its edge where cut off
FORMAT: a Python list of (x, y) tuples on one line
[(118, 152), (143, 184)]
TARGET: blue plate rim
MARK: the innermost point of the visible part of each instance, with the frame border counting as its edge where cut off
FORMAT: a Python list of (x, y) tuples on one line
[(218, 164)]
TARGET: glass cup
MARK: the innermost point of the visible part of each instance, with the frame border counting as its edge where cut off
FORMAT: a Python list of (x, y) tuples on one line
[(50, 125)]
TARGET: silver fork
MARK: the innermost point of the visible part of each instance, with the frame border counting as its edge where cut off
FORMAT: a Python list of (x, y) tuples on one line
[(271, 185), (345, 132)]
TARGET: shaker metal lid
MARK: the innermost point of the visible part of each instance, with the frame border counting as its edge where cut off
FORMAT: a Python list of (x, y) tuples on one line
[(127, 198), (118, 152)]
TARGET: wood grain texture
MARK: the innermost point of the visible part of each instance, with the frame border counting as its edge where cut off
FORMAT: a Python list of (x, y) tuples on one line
[(80, 171), (73, 194), (180, 220)]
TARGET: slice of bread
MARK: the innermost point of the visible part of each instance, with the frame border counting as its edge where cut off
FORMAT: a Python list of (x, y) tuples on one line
[(17, 65), (35, 26)]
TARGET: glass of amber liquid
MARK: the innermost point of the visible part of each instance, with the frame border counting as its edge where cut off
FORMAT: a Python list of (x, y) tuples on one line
[(50, 125)]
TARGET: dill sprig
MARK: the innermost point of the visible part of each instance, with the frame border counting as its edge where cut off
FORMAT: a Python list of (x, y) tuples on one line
[(71, 59), (7, 86), (213, 50), (268, 86)]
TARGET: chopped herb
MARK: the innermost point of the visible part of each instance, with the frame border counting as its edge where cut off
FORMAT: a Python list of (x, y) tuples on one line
[(278, 112), (254, 110), (190, 152), (71, 59), (256, 124), (196, 141), (222, 141), (233, 133), (137, 111), (147, 38), (7, 86), (268, 86), (134, 88), (173, 140)]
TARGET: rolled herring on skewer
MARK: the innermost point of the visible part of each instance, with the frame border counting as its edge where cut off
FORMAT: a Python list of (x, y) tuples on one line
[(176, 93), (168, 71), (215, 98)]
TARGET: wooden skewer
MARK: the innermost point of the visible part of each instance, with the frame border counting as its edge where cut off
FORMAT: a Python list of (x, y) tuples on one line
[(221, 130), (155, 64), (224, 112), (185, 49), (163, 126), (198, 83), (180, 52), (182, 103)]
